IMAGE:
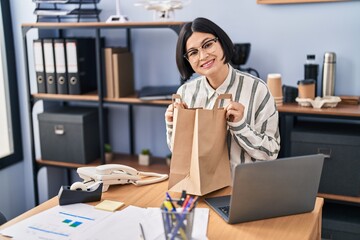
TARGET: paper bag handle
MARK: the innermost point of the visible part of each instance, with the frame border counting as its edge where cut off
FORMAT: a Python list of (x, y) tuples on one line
[(176, 96), (221, 96)]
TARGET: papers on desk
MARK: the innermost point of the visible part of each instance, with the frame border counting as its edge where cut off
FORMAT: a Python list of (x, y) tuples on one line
[(125, 224), (60, 222), (81, 221)]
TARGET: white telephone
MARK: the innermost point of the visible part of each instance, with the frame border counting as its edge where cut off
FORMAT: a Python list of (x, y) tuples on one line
[(110, 174)]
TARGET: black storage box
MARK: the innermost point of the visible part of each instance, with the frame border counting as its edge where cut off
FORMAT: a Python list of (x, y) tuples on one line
[(340, 222), (341, 145), (69, 135)]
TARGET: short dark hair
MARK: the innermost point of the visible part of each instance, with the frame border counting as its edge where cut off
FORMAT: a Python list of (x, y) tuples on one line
[(205, 26)]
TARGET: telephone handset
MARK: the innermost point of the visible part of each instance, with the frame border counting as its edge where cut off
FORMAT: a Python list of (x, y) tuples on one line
[(118, 168), (110, 174)]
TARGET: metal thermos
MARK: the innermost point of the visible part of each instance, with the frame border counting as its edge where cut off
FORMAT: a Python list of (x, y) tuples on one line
[(328, 74)]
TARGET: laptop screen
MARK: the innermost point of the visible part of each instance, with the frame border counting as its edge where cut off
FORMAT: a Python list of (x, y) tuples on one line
[(271, 188)]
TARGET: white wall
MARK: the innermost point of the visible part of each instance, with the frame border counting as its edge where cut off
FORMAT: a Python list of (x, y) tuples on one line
[(281, 36)]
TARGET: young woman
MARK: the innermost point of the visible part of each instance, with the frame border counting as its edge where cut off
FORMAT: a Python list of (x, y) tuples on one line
[(204, 48)]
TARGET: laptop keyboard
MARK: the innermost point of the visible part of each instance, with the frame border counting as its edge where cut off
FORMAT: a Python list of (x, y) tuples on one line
[(225, 210)]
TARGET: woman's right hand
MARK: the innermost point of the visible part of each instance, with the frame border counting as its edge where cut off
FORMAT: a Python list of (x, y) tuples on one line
[(169, 114)]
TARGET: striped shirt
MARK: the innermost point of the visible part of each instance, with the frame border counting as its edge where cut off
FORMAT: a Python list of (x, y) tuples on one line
[(256, 137)]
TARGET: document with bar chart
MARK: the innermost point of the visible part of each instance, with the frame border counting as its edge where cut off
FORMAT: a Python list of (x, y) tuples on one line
[(59, 222)]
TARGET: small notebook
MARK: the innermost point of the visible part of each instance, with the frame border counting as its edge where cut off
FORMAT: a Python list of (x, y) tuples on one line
[(109, 205)]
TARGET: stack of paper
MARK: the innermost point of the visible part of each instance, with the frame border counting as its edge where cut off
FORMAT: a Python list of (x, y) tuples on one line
[(84, 222)]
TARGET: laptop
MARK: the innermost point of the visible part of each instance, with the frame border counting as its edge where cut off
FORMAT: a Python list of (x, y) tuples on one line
[(270, 189), (157, 92)]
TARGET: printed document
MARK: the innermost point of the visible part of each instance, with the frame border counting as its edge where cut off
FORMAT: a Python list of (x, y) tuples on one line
[(84, 222), (60, 222), (124, 225)]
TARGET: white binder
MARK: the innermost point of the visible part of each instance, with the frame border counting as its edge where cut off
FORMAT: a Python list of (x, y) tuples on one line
[(50, 72), (39, 65), (60, 60)]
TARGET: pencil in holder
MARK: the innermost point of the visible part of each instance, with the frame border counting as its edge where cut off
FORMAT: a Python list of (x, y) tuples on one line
[(177, 225)]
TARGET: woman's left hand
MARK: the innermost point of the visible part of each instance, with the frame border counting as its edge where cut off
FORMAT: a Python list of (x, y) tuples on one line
[(234, 111)]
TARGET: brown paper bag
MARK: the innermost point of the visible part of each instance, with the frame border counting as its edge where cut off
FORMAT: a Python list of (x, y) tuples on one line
[(200, 161)]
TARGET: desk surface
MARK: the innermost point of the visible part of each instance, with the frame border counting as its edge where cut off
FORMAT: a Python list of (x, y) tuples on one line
[(300, 226), (343, 110)]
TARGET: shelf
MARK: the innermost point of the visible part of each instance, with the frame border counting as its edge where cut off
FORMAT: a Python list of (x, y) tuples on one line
[(66, 97), (66, 1), (94, 97), (175, 26), (342, 110), (157, 164), (340, 197), (134, 100), (59, 10), (131, 24)]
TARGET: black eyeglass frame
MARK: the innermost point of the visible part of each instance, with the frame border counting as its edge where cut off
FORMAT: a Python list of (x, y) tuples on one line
[(215, 39)]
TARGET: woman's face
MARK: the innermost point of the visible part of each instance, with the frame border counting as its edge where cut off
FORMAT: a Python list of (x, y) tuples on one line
[(205, 54)]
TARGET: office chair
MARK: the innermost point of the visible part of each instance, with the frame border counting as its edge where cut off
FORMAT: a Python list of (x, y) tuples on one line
[(240, 57), (2, 219)]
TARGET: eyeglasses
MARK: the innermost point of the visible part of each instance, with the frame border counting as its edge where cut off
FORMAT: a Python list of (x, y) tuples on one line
[(209, 46)]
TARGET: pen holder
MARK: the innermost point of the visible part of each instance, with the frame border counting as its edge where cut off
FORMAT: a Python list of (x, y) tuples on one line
[(177, 225)]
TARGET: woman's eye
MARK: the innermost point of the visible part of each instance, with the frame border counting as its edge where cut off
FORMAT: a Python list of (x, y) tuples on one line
[(192, 53), (207, 45)]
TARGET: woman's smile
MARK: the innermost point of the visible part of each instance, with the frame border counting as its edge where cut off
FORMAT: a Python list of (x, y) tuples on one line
[(208, 64)]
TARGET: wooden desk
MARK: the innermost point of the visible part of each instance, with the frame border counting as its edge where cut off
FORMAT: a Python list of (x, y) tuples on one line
[(342, 110), (289, 114), (300, 226)]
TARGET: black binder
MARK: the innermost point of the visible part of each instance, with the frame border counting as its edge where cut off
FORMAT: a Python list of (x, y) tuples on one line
[(81, 65), (60, 63), (39, 65), (50, 71)]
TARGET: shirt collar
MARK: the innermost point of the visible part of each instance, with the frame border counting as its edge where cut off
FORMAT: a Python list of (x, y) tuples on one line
[(222, 88)]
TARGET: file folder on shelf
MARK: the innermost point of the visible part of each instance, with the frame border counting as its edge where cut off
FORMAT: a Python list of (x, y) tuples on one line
[(81, 65), (39, 65), (60, 63), (109, 68), (50, 72), (123, 74)]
